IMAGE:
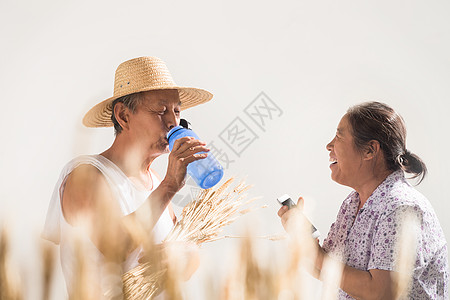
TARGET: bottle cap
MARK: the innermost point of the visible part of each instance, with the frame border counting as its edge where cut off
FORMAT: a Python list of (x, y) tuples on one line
[(184, 124)]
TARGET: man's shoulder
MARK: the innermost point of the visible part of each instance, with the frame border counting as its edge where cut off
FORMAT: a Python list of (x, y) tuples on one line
[(84, 169), (84, 174), (83, 188)]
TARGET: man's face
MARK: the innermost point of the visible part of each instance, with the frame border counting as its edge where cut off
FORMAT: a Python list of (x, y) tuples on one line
[(158, 112)]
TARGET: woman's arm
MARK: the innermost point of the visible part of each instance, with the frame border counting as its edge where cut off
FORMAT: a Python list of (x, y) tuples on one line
[(372, 284)]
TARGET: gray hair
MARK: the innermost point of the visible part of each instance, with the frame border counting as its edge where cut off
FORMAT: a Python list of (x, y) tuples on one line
[(131, 102), (378, 121)]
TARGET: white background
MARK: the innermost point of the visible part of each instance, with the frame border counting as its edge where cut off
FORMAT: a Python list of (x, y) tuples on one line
[(314, 59)]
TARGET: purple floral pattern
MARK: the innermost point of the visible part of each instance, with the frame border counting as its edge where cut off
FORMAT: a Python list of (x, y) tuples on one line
[(366, 239)]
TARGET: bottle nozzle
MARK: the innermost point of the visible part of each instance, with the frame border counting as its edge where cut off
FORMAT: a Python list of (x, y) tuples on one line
[(184, 123)]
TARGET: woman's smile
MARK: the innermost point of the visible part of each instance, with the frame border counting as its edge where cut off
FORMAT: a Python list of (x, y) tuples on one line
[(333, 161)]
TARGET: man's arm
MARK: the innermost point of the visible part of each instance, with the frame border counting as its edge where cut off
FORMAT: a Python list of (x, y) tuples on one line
[(88, 202), (185, 150), (170, 207)]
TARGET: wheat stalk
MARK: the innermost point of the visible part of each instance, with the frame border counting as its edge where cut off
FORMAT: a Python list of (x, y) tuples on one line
[(48, 263), (200, 221), (406, 248), (9, 280)]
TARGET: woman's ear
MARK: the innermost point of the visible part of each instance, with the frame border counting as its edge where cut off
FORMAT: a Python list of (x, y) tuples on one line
[(372, 149), (121, 112)]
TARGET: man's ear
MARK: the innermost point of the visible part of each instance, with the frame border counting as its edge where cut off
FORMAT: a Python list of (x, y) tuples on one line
[(372, 149), (121, 112)]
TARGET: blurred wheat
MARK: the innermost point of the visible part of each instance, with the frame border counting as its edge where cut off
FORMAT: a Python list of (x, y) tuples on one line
[(406, 254), (201, 221), (9, 279), (48, 265)]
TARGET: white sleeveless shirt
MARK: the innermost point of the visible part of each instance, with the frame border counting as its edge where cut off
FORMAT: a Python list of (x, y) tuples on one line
[(128, 197)]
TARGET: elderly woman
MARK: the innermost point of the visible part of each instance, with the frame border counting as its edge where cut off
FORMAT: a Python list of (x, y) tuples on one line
[(369, 155)]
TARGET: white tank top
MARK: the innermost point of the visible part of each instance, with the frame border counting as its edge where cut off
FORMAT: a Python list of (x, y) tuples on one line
[(129, 198)]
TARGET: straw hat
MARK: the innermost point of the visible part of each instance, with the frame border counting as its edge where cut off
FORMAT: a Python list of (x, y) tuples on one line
[(139, 75)]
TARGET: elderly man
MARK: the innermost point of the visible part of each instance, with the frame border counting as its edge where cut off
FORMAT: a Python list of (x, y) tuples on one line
[(103, 192)]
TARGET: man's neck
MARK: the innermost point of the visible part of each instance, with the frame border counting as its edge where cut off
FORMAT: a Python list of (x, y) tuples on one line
[(129, 158)]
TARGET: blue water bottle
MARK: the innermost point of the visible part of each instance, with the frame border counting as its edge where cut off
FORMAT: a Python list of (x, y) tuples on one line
[(206, 172)]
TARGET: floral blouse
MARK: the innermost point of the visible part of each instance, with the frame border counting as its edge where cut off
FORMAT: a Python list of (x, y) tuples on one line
[(367, 239)]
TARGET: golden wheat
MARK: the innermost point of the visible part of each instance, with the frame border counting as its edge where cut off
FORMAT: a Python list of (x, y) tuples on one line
[(9, 279), (200, 221)]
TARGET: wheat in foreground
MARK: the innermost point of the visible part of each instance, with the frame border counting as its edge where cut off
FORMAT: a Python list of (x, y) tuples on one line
[(201, 221), (9, 279)]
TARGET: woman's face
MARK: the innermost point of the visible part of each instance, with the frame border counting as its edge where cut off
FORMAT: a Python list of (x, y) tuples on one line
[(346, 160)]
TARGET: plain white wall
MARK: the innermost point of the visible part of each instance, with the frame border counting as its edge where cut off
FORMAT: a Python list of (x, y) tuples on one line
[(313, 59)]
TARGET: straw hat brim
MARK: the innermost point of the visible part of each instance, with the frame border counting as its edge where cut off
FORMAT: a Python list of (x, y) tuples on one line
[(100, 114)]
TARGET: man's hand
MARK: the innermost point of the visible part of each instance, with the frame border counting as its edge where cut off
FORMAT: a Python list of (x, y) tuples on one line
[(182, 258), (185, 150)]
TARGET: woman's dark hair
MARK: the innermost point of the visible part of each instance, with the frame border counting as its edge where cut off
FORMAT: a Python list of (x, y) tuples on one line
[(377, 121), (130, 101)]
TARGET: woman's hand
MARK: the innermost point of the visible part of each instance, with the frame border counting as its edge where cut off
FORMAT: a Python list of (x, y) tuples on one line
[(185, 150), (288, 216), (299, 228)]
